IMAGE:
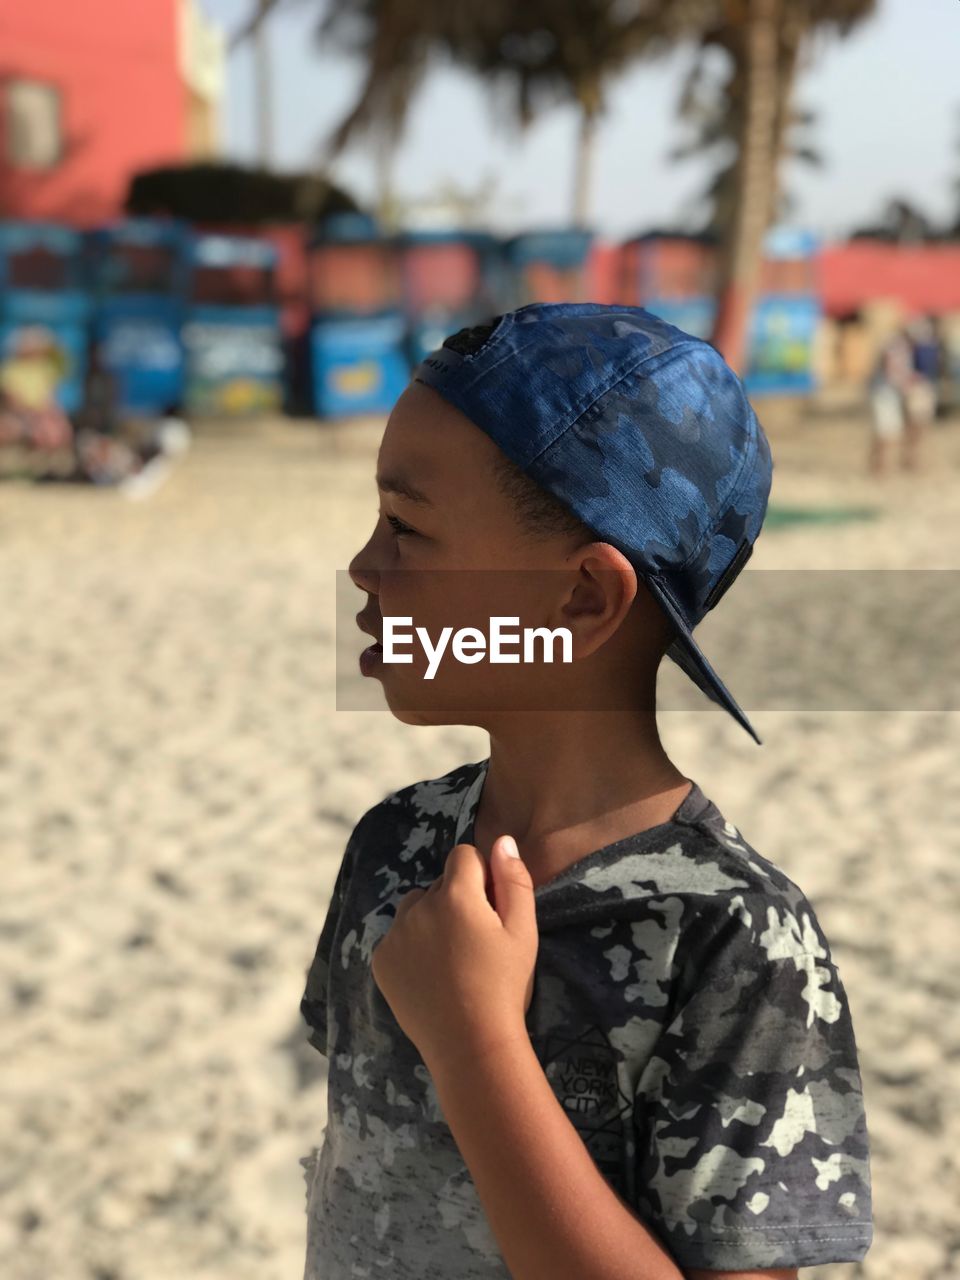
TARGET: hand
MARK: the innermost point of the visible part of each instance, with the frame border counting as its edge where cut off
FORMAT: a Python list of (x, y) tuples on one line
[(456, 970)]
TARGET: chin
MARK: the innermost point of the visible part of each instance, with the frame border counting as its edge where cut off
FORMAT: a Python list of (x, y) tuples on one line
[(414, 717), (442, 712)]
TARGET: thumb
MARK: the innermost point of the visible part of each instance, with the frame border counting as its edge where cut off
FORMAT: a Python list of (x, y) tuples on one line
[(513, 884)]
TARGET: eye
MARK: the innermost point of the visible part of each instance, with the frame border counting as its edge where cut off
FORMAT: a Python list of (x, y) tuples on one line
[(398, 527)]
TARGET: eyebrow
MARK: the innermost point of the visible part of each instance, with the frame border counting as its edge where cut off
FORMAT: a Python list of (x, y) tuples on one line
[(403, 488)]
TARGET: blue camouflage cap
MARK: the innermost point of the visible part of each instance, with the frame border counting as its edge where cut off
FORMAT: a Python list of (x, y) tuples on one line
[(643, 431)]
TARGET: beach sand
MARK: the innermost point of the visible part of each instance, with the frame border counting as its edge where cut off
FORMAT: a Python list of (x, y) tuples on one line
[(176, 788)]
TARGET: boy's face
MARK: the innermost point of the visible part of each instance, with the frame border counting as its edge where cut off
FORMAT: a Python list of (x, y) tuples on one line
[(448, 550)]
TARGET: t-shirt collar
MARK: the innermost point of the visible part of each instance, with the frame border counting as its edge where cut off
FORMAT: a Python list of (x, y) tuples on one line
[(690, 809)]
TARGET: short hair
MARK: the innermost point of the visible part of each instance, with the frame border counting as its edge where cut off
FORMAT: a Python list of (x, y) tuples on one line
[(540, 514)]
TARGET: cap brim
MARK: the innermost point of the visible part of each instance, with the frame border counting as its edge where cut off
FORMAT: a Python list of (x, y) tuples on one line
[(689, 657)]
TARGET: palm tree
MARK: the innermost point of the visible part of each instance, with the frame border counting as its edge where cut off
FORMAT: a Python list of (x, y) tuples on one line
[(902, 221), (568, 50), (532, 55), (710, 106), (397, 41), (765, 41), (542, 54)]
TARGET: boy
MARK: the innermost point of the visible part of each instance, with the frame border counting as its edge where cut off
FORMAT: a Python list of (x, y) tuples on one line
[(626, 1053)]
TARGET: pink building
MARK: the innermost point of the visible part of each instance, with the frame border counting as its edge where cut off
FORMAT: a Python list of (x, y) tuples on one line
[(91, 92)]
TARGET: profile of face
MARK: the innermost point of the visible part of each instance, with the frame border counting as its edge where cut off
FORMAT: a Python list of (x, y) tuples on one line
[(449, 550)]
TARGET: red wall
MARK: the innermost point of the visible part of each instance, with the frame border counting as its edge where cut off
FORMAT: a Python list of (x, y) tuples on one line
[(123, 102), (923, 279)]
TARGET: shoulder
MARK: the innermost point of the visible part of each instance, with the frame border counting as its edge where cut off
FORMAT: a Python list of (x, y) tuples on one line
[(749, 912), (414, 815), (698, 885), (756, 987), (430, 797), (696, 911), (701, 858), (731, 909)]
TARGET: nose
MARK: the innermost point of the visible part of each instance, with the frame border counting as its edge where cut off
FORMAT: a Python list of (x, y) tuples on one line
[(361, 576), (362, 570)]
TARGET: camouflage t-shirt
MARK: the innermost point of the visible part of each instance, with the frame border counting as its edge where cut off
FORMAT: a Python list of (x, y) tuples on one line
[(686, 1011)]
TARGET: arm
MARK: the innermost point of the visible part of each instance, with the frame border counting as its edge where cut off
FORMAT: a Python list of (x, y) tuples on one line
[(551, 1210)]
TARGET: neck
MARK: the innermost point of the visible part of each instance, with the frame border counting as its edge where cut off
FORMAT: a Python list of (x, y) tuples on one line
[(567, 783)]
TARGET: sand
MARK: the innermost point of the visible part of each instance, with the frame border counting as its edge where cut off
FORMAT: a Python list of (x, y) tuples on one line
[(176, 787)]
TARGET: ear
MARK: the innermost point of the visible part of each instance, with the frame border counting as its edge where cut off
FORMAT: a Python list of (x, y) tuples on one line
[(601, 597)]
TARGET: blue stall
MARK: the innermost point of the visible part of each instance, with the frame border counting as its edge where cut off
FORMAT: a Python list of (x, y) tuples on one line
[(43, 301), (693, 315), (786, 316), (548, 266), (449, 279), (359, 366), (358, 357), (139, 272), (232, 336)]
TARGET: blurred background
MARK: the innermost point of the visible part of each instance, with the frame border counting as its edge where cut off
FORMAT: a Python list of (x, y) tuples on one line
[(228, 230)]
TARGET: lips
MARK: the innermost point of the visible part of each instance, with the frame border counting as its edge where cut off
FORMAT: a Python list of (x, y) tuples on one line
[(366, 625)]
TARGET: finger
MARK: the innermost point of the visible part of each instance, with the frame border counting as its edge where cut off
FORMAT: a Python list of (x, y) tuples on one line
[(513, 883), (408, 900), (465, 868)]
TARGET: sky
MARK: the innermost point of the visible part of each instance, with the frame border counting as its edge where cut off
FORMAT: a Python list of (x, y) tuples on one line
[(886, 97)]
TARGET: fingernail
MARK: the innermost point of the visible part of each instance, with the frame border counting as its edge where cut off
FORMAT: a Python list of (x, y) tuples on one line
[(510, 847)]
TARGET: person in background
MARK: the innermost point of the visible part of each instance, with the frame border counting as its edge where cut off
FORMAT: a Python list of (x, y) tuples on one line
[(111, 448), (928, 353), (103, 457), (894, 403), (31, 371), (924, 392), (100, 410)]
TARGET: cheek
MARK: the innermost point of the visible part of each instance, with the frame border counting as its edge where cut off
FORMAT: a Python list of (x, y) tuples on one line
[(401, 592), (433, 598), (472, 597)]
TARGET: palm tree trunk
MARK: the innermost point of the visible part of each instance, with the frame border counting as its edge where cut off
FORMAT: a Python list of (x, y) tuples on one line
[(264, 87), (788, 54), (742, 248), (586, 140), (384, 154)]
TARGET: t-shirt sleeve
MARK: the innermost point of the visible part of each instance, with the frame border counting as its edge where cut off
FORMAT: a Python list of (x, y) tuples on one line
[(313, 1006), (752, 1146)]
